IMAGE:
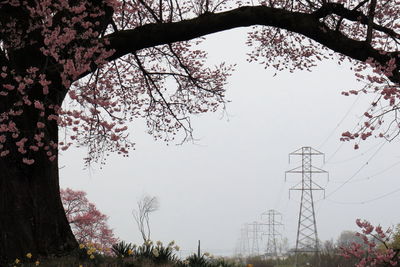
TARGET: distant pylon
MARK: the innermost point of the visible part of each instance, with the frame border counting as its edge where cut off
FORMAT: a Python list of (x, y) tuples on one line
[(274, 221), (244, 241), (256, 232), (307, 236)]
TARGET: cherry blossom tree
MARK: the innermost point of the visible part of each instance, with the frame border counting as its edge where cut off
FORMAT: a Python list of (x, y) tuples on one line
[(88, 224), (347, 238), (92, 67), (376, 249)]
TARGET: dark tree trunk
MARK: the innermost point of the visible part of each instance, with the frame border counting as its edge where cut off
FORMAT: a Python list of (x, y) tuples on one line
[(32, 218)]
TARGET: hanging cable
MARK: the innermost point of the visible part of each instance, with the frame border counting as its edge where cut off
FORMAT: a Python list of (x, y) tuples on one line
[(366, 201), (340, 146), (357, 172), (357, 156), (373, 175), (340, 122)]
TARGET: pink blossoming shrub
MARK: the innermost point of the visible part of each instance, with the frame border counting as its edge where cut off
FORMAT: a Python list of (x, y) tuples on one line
[(376, 251), (88, 224)]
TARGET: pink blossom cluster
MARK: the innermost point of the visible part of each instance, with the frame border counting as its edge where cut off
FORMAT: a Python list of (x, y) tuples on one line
[(13, 134), (72, 40), (69, 41), (375, 250), (377, 76), (28, 142)]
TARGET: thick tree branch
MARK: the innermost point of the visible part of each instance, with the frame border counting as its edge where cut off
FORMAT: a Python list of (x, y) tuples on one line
[(128, 41), (353, 15)]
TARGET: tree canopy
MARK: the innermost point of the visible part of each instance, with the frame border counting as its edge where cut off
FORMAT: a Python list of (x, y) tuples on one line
[(119, 60)]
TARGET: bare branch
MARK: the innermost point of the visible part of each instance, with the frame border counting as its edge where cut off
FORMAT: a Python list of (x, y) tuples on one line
[(146, 205)]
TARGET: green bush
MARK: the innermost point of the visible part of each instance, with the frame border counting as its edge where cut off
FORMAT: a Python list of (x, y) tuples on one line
[(122, 249), (195, 260)]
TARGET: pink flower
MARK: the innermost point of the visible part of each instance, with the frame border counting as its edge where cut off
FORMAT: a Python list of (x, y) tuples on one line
[(9, 87), (34, 148), (38, 105), (40, 125), (28, 161), (4, 153)]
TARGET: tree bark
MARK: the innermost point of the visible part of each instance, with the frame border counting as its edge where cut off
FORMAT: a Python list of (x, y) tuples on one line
[(32, 218)]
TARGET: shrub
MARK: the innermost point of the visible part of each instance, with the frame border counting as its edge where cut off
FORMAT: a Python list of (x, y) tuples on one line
[(122, 249)]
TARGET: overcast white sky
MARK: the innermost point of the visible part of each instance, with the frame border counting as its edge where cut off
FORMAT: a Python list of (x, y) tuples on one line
[(235, 171)]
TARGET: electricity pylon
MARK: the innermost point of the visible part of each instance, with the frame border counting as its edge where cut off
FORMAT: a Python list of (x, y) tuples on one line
[(255, 231), (244, 241), (274, 221), (307, 236)]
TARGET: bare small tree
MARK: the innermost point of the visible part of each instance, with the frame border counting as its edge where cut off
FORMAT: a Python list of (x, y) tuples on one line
[(146, 205)]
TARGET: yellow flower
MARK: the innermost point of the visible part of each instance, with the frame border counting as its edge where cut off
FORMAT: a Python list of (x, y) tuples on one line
[(81, 246), (29, 255), (91, 257), (90, 251), (130, 252), (80, 265), (17, 261), (37, 263)]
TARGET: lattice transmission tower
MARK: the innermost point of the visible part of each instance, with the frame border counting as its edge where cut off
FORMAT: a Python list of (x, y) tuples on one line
[(273, 222), (244, 241), (307, 236), (255, 233)]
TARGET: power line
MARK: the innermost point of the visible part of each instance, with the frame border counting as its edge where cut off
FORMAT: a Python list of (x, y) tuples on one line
[(357, 172), (340, 122), (279, 197), (366, 201), (340, 146), (369, 177), (357, 156)]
